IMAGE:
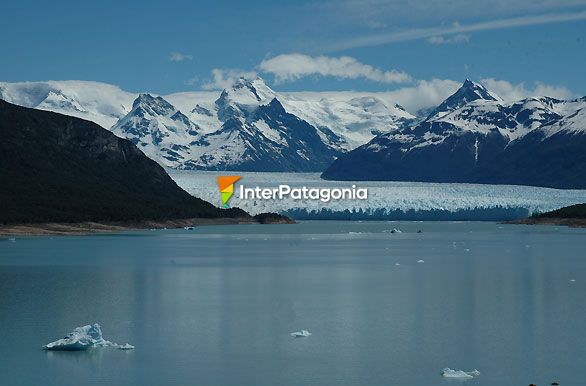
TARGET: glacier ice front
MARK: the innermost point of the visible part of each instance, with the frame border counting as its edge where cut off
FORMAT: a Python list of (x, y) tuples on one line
[(83, 338), (409, 201)]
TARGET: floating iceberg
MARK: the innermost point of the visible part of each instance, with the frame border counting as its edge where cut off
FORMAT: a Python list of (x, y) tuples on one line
[(189, 228), (449, 373), (301, 334), (126, 346), (83, 338), (421, 261), (394, 230)]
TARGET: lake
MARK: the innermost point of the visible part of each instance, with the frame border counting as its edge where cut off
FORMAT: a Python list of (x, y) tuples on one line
[(215, 306)]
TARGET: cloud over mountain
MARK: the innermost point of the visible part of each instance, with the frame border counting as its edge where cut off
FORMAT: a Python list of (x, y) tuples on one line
[(289, 67)]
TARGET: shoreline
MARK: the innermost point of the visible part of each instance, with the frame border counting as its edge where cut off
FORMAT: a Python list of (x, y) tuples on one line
[(569, 222), (94, 227)]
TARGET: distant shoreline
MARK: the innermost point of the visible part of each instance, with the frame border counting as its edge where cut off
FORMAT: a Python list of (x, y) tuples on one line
[(570, 222), (89, 227)]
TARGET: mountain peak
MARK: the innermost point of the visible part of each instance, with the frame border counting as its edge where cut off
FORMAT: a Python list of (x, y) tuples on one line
[(468, 92), (152, 105), (251, 88), (481, 91), (243, 97)]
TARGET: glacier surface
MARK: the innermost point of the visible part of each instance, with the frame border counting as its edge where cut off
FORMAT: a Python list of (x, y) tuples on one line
[(387, 200)]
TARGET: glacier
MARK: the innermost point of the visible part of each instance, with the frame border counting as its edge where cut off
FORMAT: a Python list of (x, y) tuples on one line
[(83, 338), (411, 201)]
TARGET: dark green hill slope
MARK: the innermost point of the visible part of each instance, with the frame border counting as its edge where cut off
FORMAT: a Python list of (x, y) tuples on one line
[(56, 168), (575, 211)]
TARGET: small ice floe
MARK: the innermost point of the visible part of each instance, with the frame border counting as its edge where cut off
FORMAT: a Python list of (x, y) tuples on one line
[(126, 346), (12, 240), (189, 228), (467, 249), (394, 230), (397, 264), (572, 280), (460, 374), (83, 338), (354, 233), (421, 261), (301, 334)]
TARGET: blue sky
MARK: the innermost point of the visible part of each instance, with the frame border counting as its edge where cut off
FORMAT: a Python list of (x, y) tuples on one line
[(375, 45)]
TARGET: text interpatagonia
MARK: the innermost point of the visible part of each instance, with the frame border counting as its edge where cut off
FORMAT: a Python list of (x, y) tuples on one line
[(303, 193)]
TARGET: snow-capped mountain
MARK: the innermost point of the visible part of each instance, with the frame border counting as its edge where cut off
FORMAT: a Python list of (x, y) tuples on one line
[(354, 118), (469, 92), (246, 126), (474, 136), (98, 102), (253, 133), (257, 134), (160, 130), (357, 119)]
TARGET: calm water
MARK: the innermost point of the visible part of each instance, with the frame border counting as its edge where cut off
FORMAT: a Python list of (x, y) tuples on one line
[(215, 306)]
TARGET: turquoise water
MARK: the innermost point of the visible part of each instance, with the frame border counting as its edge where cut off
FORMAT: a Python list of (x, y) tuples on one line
[(215, 306)]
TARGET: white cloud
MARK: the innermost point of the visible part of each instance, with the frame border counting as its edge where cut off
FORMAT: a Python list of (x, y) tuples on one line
[(512, 92), (425, 94), (224, 78), (374, 24), (456, 28), (179, 57), (430, 93), (401, 13), (422, 94), (290, 67), (454, 39)]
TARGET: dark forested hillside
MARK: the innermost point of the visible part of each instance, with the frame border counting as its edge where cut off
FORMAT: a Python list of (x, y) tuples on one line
[(56, 168)]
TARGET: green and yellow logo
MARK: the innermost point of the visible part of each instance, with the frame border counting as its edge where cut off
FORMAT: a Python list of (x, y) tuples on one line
[(226, 184)]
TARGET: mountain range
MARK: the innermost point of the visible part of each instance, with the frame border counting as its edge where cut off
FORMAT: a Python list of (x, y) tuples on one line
[(473, 136), (247, 127), (476, 137)]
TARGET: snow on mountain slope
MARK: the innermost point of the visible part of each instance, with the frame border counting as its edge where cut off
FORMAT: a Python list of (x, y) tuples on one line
[(261, 138), (101, 103), (356, 117), (249, 130), (574, 123), (470, 91), (200, 108), (475, 137), (344, 120), (160, 130)]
